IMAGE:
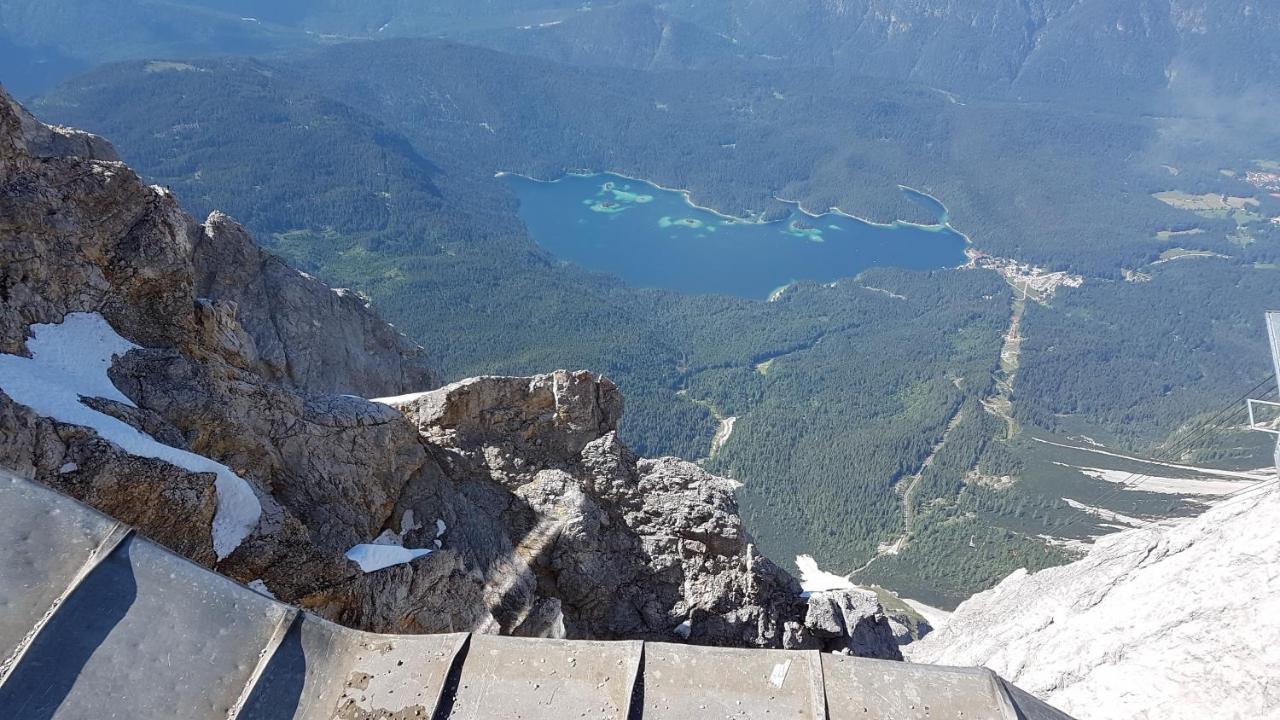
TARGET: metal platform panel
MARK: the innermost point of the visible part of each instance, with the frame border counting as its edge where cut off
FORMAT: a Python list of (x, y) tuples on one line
[(505, 678), (49, 543), (146, 635), (324, 671), (887, 690), (683, 681), (109, 625)]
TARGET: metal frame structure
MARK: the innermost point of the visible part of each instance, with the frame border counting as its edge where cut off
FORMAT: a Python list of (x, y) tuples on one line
[(1273, 337), (1254, 424)]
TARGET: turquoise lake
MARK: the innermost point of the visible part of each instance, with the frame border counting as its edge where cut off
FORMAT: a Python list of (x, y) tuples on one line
[(651, 237)]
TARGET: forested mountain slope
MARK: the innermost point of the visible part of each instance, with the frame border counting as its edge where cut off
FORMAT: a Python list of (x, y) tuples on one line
[(1095, 53), (1030, 175), (93, 32)]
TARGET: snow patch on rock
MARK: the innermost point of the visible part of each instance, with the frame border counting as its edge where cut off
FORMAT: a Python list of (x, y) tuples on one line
[(408, 524), (373, 557), (396, 400), (261, 588), (814, 579), (69, 360)]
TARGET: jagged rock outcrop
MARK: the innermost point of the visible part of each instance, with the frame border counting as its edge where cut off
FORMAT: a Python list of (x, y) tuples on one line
[(48, 141), (301, 333), (852, 621), (1173, 621), (218, 405), (85, 234), (627, 547), (82, 231)]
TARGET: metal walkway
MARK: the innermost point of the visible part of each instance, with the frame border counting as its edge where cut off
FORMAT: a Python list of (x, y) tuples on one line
[(97, 622)]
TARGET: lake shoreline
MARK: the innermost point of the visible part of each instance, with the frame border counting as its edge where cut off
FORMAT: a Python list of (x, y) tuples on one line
[(688, 194), (667, 240), (943, 225)]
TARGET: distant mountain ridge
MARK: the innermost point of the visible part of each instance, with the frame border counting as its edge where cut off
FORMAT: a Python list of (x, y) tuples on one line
[(1096, 53), (1082, 50)]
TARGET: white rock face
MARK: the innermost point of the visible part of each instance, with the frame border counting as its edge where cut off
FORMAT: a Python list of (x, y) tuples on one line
[(1175, 620)]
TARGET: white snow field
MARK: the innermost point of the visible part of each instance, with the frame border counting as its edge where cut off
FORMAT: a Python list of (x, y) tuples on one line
[(69, 360)]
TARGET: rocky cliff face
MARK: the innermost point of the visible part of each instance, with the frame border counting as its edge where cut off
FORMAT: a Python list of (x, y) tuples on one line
[(179, 378), (1179, 620), (304, 335)]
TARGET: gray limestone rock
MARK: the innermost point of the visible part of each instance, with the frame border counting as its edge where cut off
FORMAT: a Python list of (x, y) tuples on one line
[(304, 334), (630, 547), (168, 504), (47, 141), (507, 425), (852, 621), (1166, 621)]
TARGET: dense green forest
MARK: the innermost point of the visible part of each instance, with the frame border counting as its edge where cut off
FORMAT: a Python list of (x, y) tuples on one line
[(1178, 345), (859, 405)]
